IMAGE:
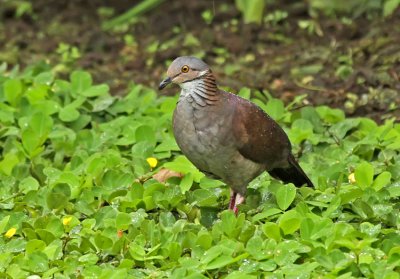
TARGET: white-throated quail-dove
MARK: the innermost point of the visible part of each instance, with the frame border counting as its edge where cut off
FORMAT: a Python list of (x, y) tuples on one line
[(226, 136)]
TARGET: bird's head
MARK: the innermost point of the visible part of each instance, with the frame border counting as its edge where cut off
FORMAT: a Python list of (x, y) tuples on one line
[(183, 70)]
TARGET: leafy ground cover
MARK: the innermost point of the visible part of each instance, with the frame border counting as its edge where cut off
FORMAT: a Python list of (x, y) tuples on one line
[(79, 199), (92, 184)]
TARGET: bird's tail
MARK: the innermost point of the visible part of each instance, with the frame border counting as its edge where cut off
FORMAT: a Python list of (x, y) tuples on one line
[(292, 174)]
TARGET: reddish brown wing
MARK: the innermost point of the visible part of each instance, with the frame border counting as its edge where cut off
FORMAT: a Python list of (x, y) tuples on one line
[(259, 137)]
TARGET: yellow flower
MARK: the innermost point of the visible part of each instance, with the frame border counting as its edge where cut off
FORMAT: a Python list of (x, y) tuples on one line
[(352, 178), (66, 220), (152, 162), (10, 232)]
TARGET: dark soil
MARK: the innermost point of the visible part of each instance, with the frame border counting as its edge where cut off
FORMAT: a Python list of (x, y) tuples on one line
[(354, 66)]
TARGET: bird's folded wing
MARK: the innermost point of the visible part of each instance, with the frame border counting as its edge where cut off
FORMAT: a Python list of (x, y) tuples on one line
[(259, 138)]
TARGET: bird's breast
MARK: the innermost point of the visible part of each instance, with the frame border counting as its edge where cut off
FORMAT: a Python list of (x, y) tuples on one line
[(205, 137), (199, 131)]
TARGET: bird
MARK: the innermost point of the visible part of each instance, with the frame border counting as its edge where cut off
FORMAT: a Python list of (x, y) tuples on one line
[(225, 136)]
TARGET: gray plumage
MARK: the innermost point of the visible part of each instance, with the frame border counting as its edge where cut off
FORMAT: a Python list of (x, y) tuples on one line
[(226, 136)]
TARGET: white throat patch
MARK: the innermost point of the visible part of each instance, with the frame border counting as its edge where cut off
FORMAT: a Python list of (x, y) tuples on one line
[(189, 87)]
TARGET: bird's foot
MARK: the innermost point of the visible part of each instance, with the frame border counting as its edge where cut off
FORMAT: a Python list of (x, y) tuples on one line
[(232, 200), (239, 200), (235, 200)]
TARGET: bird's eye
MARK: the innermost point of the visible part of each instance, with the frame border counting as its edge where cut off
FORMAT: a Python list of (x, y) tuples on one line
[(185, 69)]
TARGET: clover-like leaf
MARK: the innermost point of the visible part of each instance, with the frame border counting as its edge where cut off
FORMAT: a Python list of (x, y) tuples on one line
[(285, 196)]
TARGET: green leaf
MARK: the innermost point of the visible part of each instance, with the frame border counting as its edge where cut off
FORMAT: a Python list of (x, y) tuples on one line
[(15, 271), (89, 259), (275, 108), (229, 221), (8, 163), (350, 195), (175, 251), (390, 6), (245, 93), (186, 183), (168, 144), (3, 223), (315, 228), (80, 81), (289, 222), (240, 275), (204, 240), (208, 183), (58, 196), (285, 196), (211, 254), (102, 103), (44, 78), (81, 122), (96, 90), (145, 133), (382, 180), (204, 197), (35, 245), (123, 220), (28, 184), (255, 247), (272, 230), (45, 235), (137, 252), (266, 214), (68, 113), (12, 91), (31, 142), (285, 252), (103, 242), (131, 14), (301, 130), (364, 174), (41, 124), (115, 179), (333, 206), (36, 262), (6, 114), (48, 107), (37, 94), (252, 10), (95, 166), (330, 115), (219, 262), (340, 129), (183, 165)]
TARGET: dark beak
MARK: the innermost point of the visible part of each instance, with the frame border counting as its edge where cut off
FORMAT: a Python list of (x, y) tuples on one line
[(164, 83)]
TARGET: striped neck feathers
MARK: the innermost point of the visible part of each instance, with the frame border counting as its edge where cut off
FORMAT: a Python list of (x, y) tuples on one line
[(201, 91)]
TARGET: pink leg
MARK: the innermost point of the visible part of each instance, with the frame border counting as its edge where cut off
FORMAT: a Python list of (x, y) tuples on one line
[(232, 200), (238, 200)]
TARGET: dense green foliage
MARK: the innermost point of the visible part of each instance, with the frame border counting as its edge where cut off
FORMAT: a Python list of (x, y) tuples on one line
[(77, 195)]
